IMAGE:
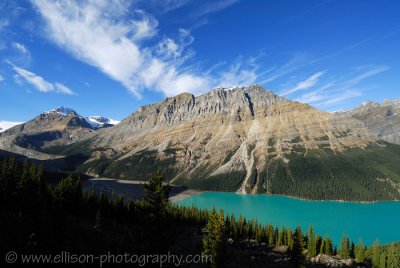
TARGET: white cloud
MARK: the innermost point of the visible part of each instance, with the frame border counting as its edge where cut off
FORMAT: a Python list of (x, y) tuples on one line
[(39, 82), (169, 49), (1, 78), (4, 125), (372, 72), (337, 91), (144, 27), (162, 6), (4, 23), (237, 76), (297, 62), (23, 55), (60, 88), (339, 98), (306, 84), (214, 6), (113, 42), (316, 95), (21, 48)]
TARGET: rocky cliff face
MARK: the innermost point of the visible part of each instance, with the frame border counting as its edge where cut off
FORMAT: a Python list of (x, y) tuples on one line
[(227, 132), (381, 119)]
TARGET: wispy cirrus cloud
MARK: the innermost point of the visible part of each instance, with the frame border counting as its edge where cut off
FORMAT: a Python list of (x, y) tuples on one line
[(366, 74), (298, 61), (113, 42), (214, 7), (24, 55), (40, 83), (2, 78), (336, 91), (305, 84), (21, 48)]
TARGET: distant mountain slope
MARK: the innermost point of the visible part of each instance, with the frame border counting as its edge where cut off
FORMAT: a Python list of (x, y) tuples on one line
[(247, 140), (60, 126), (381, 119)]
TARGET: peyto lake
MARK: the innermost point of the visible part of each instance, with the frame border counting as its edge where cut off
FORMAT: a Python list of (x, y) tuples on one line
[(368, 221)]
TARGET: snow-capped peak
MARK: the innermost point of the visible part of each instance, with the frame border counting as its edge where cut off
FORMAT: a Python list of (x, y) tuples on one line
[(366, 103), (62, 110), (97, 121)]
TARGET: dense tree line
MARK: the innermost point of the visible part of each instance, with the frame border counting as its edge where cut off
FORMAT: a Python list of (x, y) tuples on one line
[(319, 175), (39, 217)]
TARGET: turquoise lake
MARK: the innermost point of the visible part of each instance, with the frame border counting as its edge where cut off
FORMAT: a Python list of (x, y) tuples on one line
[(369, 221)]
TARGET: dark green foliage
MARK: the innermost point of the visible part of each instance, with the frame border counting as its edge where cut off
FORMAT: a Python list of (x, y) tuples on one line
[(80, 147), (353, 174), (326, 246), (140, 166), (376, 254), (350, 175), (98, 226), (393, 256), (298, 247), (156, 194), (228, 182), (311, 243), (67, 193), (345, 248), (296, 140), (359, 252), (323, 138), (214, 241), (38, 217)]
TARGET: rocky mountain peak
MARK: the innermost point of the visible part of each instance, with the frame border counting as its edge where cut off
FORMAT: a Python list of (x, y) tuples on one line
[(62, 110), (381, 119), (229, 104)]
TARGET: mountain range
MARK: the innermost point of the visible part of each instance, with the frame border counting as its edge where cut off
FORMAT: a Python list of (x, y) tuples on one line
[(247, 140)]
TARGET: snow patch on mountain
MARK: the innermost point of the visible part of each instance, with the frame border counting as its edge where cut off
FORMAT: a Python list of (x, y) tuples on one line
[(97, 121), (62, 111)]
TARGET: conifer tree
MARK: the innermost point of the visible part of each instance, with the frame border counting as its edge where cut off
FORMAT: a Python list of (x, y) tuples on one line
[(25, 169), (393, 257), (345, 248), (214, 241), (311, 242), (289, 239), (322, 247), (382, 260), (271, 240), (98, 223), (156, 194), (298, 247), (328, 247), (318, 243), (352, 250), (375, 254), (359, 251)]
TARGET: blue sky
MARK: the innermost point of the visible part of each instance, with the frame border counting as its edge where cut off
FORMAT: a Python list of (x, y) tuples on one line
[(109, 59)]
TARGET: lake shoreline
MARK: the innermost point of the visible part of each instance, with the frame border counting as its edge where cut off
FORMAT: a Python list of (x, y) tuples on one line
[(302, 198), (183, 193)]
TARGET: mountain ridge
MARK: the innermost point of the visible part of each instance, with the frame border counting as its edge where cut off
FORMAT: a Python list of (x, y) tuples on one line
[(246, 140), (381, 119)]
